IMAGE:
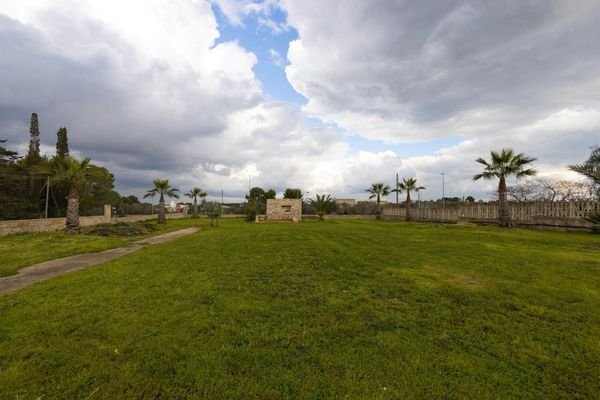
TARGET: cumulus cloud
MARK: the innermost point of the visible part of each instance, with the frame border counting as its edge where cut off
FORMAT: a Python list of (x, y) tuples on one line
[(498, 74), (135, 83), (145, 89), (552, 146), (283, 149), (402, 72)]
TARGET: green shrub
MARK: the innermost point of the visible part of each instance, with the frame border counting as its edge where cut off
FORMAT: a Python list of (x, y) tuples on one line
[(214, 211), (120, 229), (595, 219), (250, 214)]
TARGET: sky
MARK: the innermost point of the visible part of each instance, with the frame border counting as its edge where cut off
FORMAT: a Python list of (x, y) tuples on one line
[(327, 96)]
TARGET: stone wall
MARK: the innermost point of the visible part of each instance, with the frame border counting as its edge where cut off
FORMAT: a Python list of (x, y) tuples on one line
[(349, 217), (284, 210), (566, 214), (54, 224)]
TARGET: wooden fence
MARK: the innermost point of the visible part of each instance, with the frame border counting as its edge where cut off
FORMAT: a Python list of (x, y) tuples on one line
[(559, 214)]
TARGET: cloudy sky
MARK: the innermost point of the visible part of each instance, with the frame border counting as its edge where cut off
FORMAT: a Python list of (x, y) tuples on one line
[(329, 96)]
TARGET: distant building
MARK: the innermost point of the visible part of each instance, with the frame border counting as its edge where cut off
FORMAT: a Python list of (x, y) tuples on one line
[(347, 202), (172, 207)]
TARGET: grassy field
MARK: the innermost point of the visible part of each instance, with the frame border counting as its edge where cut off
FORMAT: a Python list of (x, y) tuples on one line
[(340, 309), (38, 247)]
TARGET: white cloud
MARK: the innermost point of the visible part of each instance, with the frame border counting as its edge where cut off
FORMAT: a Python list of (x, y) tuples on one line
[(278, 147), (236, 11), (134, 83), (276, 58), (399, 73), (501, 74), (273, 26), (144, 90)]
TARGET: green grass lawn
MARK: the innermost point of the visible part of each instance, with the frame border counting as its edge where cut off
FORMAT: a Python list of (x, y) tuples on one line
[(340, 309), (22, 250)]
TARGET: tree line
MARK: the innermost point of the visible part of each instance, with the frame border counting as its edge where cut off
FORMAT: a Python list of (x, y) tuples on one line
[(33, 185), (28, 188), (501, 166)]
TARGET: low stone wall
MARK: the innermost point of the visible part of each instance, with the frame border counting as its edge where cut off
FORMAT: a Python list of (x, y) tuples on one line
[(43, 225), (342, 216), (54, 224), (561, 215), (422, 214)]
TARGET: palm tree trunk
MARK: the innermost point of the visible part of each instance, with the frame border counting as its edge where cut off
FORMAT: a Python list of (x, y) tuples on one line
[(378, 207), (72, 221), (161, 210), (503, 212), (195, 208), (408, 215)]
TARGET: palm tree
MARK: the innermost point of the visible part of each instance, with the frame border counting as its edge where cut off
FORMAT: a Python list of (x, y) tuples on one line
[(504, 164), (408, 185), (163, 188), (322, 205), (194, 194), (75, 173), (590, 168), (378, 190)]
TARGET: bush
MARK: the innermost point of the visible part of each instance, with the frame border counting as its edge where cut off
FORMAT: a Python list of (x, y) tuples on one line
[(214, 211), (120, 229), (595, 219), (250, 214)]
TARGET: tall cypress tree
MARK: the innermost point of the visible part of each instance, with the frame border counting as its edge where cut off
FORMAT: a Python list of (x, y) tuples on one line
[(62, 143), (33, 155)]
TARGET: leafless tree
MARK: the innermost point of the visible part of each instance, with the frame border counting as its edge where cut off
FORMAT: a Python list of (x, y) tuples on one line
[(546, 189)]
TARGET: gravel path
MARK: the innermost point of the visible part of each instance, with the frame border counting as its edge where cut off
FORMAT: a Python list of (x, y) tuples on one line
[(40, 272)]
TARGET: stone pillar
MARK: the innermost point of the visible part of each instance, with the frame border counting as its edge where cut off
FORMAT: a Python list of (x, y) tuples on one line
[(107, 213)]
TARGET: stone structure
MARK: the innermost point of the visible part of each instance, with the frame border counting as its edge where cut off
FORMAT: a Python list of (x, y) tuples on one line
[(53, 224), (284, 210)]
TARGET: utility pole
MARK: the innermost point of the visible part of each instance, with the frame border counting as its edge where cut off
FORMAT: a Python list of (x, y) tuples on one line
[(47, 196), (396, 188), (443, 192), (222, 202)]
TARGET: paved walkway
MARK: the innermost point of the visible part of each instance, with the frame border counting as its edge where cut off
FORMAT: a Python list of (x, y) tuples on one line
[(40, 272)]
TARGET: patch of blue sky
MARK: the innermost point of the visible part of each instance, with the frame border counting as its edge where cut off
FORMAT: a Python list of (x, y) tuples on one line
[(403, 150), (269, 47)]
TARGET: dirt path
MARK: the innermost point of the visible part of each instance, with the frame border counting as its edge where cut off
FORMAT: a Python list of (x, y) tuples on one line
[(40, 272)]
